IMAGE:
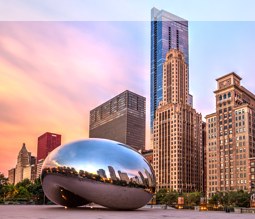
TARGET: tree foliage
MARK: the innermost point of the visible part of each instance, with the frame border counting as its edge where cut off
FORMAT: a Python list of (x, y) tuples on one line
[(232, 198), (25, 191), (225, 199)]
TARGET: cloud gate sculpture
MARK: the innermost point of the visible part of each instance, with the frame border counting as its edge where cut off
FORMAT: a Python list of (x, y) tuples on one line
[(102, 171)]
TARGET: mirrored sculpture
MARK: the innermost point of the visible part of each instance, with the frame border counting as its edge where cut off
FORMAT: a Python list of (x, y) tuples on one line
[(102, 171)]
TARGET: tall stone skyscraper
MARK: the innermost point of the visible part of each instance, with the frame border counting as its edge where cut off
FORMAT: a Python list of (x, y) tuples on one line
[(230, 133), (167, 32), (177, 137), (23, 161)]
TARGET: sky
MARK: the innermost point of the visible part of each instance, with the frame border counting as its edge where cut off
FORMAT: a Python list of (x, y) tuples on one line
[(59, 61)]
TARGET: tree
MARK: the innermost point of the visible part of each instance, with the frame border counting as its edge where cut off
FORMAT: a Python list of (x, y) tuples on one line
[(160, 195), (36, 191), (192, 198), (3, 182), (23, 194), (214, 200), (24, 183), (232, 198), (9, 192), (170, 198), (239, 198)]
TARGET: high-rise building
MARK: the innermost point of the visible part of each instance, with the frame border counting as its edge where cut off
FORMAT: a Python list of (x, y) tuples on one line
[(11, 176), (177, 146), (122, 119), (23, 160), (168, 31), (230, 133), (47, 143)]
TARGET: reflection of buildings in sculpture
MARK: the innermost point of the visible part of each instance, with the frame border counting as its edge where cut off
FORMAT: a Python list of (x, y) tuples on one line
[(22, 161), (11, 176), (39, 168), (149, 178), (145, 182), (123, 176), (101, 172), (136, 180), (112, 173)]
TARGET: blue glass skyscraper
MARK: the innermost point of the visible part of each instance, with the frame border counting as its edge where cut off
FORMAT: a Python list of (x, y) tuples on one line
[(167, 31)]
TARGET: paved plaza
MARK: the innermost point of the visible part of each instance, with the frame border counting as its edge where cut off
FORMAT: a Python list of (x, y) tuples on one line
[(57, 212)]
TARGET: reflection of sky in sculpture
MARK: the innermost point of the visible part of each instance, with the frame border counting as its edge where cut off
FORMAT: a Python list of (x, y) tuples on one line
[(94, 154)]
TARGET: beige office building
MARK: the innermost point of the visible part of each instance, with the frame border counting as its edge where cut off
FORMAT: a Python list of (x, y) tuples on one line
[(230, 140), (177, 131), (23, 161)]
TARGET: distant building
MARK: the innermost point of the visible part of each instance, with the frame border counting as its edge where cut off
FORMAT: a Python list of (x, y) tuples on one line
[(230, 137), (32, 160), (23, 160), (33, 172), (122, 119), (27, 172), (11, 176), (47, 143)]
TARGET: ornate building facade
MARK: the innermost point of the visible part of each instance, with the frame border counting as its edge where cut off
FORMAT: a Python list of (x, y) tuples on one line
[(230, 137), (177, 146)]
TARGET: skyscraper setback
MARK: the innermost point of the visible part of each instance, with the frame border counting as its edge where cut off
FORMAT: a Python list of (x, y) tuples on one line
[(168, 31), (177, 142), (46, 143)]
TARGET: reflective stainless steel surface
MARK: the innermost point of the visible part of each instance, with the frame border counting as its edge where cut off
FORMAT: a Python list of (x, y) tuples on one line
[(98, 170)]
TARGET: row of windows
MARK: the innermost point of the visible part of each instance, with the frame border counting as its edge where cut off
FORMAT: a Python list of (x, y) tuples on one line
[(239, 111), (213, 119), (225, 96)]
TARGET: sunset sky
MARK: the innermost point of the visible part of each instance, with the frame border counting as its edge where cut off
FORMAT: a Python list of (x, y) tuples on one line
[(55, 69)]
